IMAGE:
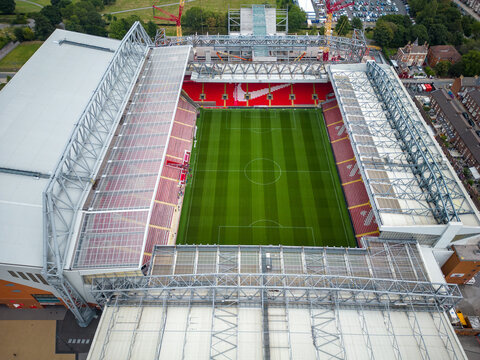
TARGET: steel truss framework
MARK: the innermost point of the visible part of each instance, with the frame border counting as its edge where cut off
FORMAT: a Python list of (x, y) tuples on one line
[(373, 106), (440, 190), (75, 173), (299, 278), (351, 49), (312, 71), (387, 273)]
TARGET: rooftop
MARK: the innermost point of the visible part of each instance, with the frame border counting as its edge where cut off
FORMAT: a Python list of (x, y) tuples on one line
[(39, 108), (475, 95), (470, 81), (445, 52), (453, 113), (249, 302), (115, 216), (382, 123), (467, 252)]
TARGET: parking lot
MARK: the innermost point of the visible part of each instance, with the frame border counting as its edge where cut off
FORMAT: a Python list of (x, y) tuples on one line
[(370, 10)]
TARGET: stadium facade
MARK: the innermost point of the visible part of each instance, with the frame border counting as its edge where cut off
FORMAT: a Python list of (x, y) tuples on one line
[(95, 188)]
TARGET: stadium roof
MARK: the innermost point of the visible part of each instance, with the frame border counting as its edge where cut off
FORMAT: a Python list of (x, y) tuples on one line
[(39, 108), (235, 332), (278, 302), (408, 178), (115, 218)]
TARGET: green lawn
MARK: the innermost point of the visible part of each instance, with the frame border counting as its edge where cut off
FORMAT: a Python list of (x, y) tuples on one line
[(25, 8), (19, 56), (264, 177), (147, 14)]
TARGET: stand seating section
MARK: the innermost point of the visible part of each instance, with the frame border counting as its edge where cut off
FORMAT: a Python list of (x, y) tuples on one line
[(359, 207), (280, 93), (167, 198)]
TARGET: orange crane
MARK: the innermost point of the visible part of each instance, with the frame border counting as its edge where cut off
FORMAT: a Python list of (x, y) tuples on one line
[(331, 8), (170, 17)]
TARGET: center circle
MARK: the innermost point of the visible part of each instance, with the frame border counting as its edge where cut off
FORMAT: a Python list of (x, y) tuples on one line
[(262, 171)]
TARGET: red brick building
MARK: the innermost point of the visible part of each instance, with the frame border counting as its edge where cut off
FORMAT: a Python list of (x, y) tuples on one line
[(412, 54), (464, 135), (441, 53), (471, 101), (463, 84)]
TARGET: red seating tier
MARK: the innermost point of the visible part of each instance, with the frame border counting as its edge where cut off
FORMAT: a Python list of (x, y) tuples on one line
[(355, 193), (348, 171), (258, 93)]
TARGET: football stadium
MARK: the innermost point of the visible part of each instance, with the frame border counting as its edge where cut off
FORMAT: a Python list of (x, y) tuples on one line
[(293, 205)]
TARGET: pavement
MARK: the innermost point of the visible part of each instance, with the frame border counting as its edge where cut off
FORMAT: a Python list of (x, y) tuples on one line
[(471, 346), (71, 338), (3, 76)]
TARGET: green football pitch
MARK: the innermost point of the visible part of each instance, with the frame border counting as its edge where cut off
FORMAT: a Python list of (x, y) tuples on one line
[(264, 177)]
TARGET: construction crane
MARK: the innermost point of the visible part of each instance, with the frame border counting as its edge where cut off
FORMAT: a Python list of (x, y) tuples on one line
[(170, 17), (331, 8)]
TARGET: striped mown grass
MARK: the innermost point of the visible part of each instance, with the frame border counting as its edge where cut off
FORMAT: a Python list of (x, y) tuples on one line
[(264, 177)]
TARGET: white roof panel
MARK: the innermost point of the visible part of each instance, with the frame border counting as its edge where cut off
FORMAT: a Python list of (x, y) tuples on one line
[(190, 332), (387, 171), (38, 109), (42, 102)]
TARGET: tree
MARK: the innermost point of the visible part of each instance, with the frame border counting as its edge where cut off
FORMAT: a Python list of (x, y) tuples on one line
[(442, 68), (343, 25), (7, 6), (296, 18), (467, 22), (193, 18), (357, 23), (60, 4), (419, 31), (400, 35), (429, 71), (456, 69), (28, 34), (383, 34), (43, 27), (476, 29), (18, 32), (84, 17), (438, 34), (52, 13), (119, 28), (151, 29), (211, 23), (471, 61)]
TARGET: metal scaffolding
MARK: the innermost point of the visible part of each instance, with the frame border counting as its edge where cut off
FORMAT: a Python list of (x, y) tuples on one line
[(350, 49), (384, 274), (428, 171), (234, 20), (286, 71), (75, 173), (401, 165)]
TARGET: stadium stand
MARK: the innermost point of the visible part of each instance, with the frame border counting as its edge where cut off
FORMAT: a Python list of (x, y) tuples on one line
[(259, 94), (168, 198), (361, 213)]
